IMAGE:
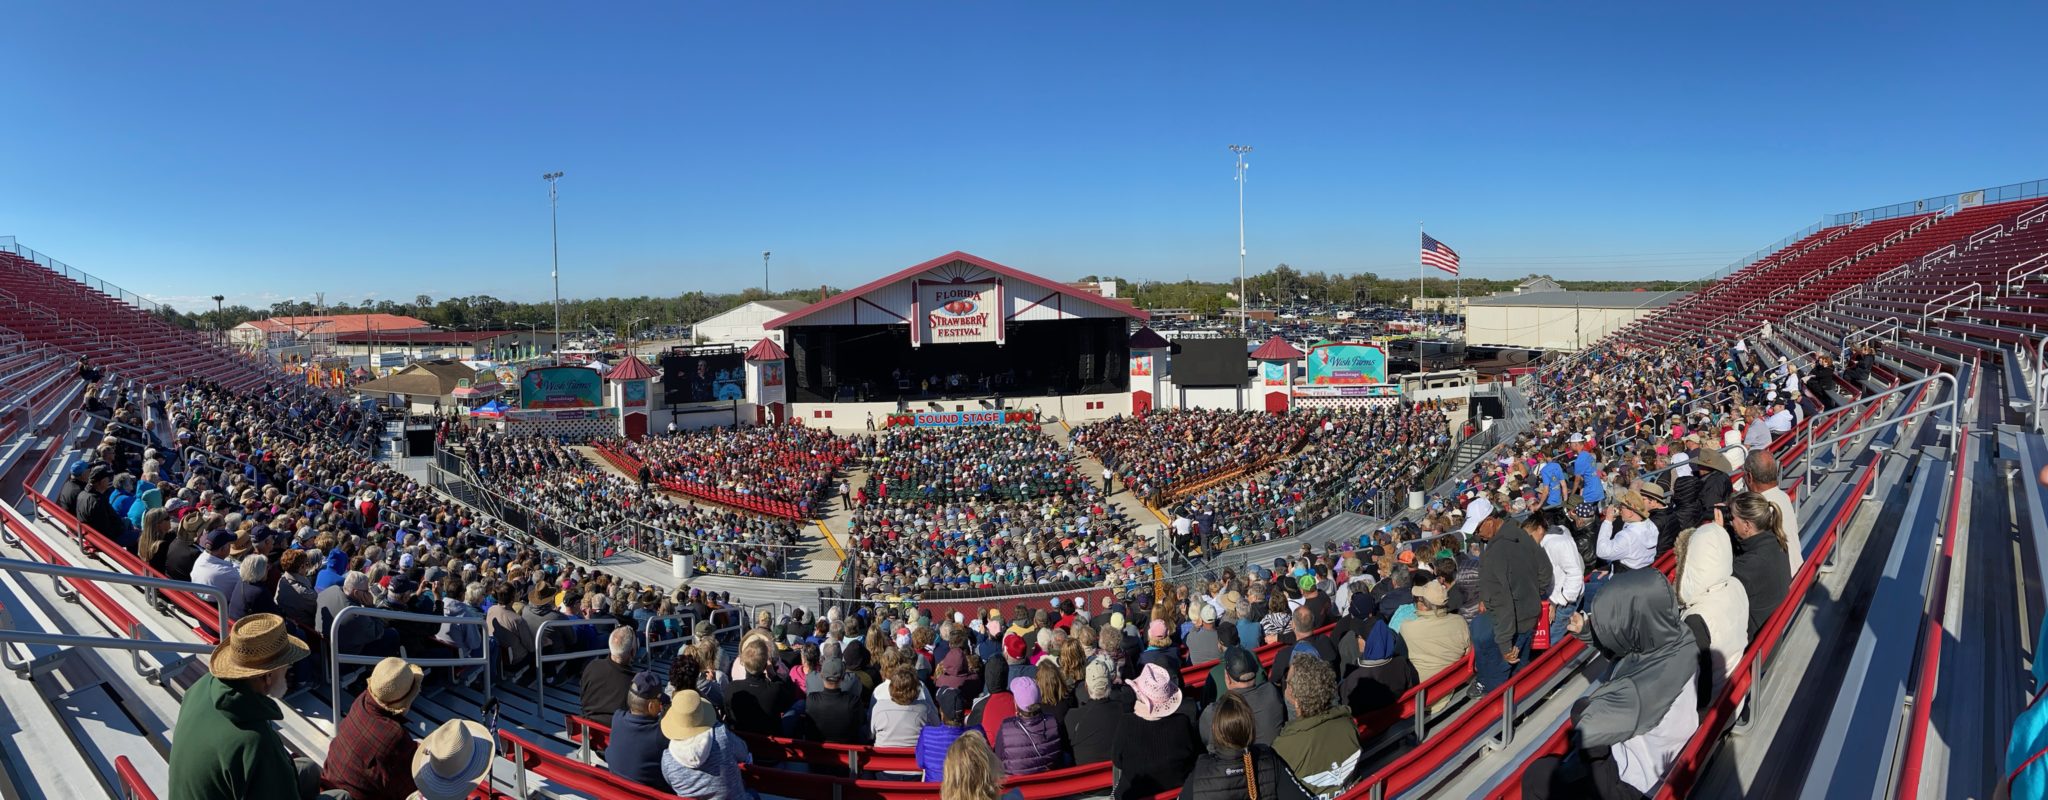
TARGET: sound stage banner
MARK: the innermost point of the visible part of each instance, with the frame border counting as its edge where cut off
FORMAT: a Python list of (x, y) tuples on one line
[(953, 313)]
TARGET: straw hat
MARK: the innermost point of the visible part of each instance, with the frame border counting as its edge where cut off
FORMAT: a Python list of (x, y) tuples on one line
[(394, 684), (1634, 502), (256, 645), (688, 715), (451, 760)]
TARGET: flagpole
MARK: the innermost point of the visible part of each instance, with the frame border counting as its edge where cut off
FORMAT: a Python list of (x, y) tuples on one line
[(1420, 293)]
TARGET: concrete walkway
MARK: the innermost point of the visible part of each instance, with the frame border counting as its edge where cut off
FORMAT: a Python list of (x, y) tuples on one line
[(1091, 469), (820, 559)]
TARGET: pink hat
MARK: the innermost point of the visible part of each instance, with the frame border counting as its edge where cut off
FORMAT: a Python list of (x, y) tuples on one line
[(1157, 694), (1025, 690), (1157, 630)]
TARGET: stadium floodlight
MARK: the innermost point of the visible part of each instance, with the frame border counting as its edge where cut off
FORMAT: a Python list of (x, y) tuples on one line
[(764, 272), (555, 236), (1243, 311)]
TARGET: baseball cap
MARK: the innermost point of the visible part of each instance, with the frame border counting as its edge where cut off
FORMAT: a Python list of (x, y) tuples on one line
[(218, 539), (1240, 664), (1013, 645), (1207, 613), (1435, 593), (647, 685), (1307, 582), (832, 669)]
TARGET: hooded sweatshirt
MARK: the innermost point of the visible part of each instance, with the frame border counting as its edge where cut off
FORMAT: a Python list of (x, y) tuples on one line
[(1644, 712), (333, 573), (1382, 676), (1716, 607)]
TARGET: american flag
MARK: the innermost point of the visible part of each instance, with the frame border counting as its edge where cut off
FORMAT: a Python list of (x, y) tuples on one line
[(1435, 254)]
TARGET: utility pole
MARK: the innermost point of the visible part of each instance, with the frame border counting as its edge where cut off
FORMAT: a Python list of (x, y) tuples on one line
[(764, 272), (1243, 300), (555, 236)]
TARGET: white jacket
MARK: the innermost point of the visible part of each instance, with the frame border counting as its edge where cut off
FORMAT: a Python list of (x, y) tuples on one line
[(1708, 589)]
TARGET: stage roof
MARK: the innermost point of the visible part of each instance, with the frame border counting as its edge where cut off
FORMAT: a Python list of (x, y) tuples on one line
[(889, 300)]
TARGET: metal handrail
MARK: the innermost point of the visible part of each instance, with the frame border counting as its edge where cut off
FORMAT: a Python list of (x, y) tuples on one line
[(541, 658), (1850, 341), (2013, 275), (1961, 295), (647, 638), (2040, 380), (1955, 389), (336, 658), (136, 647)]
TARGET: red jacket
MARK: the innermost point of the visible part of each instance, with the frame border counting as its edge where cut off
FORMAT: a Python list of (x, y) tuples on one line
[(371, 756)]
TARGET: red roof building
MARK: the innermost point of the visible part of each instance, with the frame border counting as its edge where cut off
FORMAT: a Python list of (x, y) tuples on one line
[(1276, 349), (630, 369)]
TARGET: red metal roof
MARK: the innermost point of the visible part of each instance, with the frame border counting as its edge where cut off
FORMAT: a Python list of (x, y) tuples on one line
[(766, 350), (1276, 349), (631, 368), (381, 336), (1008, 272)]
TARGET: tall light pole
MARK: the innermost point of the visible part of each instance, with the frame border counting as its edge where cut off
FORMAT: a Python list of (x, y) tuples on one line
[(555, 235), (1243, 300), (219, 327), (764, 272), (629, 332)]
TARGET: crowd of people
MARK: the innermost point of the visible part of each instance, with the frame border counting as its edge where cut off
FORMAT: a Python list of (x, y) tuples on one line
[(1159, 450), (980, 508), (1351, 456), (547, 478), (784, 463)]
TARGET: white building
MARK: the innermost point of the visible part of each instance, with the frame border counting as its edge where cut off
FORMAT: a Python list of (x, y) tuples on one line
[(1557, 320), (742, 325)]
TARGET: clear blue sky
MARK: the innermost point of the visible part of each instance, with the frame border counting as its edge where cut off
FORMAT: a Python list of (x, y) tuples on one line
[(267, 150)]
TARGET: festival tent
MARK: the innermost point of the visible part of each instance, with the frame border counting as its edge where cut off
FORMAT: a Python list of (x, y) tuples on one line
[(494, 409)]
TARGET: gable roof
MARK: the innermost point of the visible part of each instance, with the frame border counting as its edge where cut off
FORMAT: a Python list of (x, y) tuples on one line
[(1148, 339), (1007, 272)]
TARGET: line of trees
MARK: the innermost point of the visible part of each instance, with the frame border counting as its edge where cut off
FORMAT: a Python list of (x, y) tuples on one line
[(483, 312)]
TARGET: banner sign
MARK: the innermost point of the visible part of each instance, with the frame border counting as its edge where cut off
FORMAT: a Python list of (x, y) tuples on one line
[(1350, 390), (635, 394), (955, 419), (1141, 365), (561, 387), (1334, 363), (958, 312), (1275, 373), (530, 415)]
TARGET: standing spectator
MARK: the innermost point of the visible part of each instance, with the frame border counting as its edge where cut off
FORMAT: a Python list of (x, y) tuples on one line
[(1028, 743), (634, 750), (1760, 561), (225, 744), (1567, 570), (1633, 725), (934, 741), (1241, 680), (607, 681), (1586, 473), (95, 508), (1321, 743), (371, 756), (703, 758), (1514, 577), (1237, 767), (1155, 749)]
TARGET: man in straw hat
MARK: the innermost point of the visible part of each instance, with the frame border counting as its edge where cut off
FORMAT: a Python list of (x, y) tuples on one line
[(225, 745), (451, 761), (1634, 546), (371, 757)]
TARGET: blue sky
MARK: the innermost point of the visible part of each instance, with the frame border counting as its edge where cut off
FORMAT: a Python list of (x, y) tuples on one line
[(269, 150)]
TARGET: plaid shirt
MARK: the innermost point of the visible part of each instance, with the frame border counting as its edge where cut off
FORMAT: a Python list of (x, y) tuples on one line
[(371, 756)]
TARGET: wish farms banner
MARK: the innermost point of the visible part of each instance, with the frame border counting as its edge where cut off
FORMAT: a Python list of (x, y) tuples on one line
[(1338, 363)]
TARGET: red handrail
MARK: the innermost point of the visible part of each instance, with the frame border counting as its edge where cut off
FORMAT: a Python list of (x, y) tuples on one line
[(132, 785), (1930, 639)]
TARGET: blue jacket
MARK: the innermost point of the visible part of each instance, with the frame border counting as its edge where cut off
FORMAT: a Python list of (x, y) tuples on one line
[(709, 768), (932, 743), (634, 752), (333, 573)]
